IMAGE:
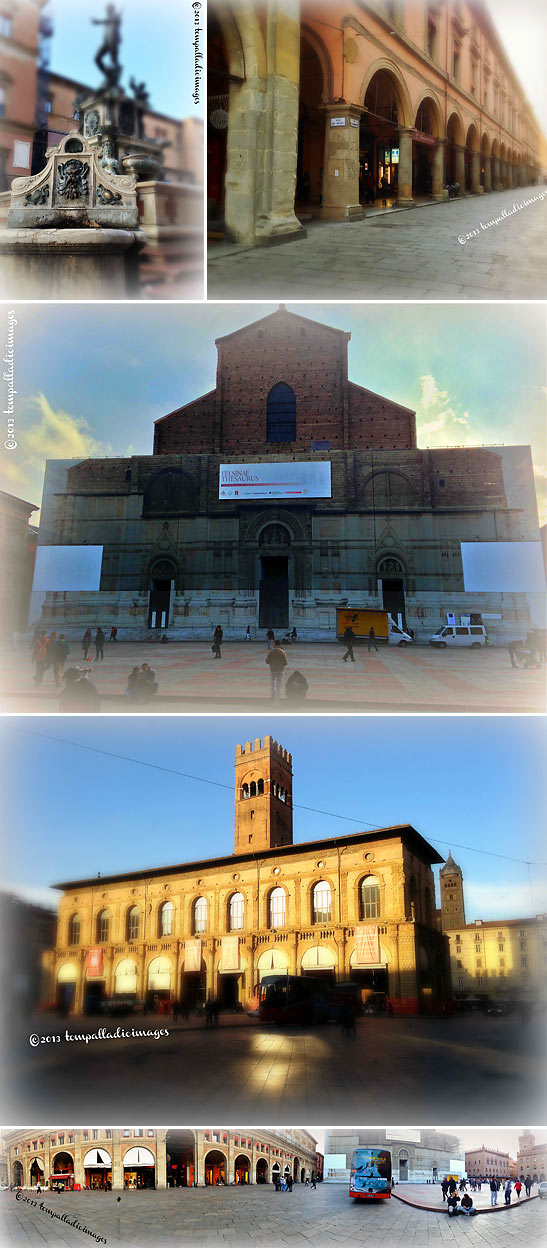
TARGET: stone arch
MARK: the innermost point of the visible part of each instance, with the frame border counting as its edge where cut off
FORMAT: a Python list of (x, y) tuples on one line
[(159, 973), (495, 148), (455, 130), (486, 146), (260, 522), (272, 960), (390, 565), (243, 39), (125, 976), (386, 488), (472, 138), (392, 70), (323, 56), (429, 97), (261, 1173), (319, 958), (17, 1173)]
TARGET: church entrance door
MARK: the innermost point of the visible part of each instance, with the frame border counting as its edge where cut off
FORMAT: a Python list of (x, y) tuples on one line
[(274, 592), (393, 599)]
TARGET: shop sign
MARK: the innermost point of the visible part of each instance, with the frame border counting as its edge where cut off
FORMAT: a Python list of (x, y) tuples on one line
[(338, 121), (192, 955), (367, 946), (230, 953), (95, 963), (395, 155), (353, 121), (420, 137)]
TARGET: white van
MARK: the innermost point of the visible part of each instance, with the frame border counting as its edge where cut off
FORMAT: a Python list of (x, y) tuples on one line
[(396, 635), (473, 635)]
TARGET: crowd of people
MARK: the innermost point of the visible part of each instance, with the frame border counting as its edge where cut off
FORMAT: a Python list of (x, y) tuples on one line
[(455, 1193)]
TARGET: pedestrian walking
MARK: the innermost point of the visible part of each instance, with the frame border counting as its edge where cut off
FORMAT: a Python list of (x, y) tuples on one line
[(384, 187), (113, 633), (40, 652), (493, 1192), (248, 633), (99, 644), (270, 638), (528, 1184), (508, 1191), (276, 660), (59, 652), (289, 1182), (217, 642), (86, 642), (372, 640), (349, 639), (313, 1183), (444, 1188), (518, 1188)]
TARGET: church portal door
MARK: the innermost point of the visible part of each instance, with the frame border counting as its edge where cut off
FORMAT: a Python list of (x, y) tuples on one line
[(393, 598), (274, 592)]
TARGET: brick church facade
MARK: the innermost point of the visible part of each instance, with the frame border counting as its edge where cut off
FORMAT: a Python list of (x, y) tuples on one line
[(179, 559), (358, 907)]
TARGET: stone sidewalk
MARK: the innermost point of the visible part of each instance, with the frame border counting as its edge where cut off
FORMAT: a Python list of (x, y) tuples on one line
[(430, 1197), (415, 679), (232, 1217), (404, 255)]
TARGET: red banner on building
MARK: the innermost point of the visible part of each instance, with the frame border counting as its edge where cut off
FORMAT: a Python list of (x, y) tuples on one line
[(428, 139), (230, 954), (95, 962), (367, 946), (192, 955)]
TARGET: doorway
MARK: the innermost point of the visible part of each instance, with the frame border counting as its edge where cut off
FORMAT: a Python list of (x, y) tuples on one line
[(229, 992), (274, 592), (215, 1169), (158, 608), (180, 1166), (393, 598)]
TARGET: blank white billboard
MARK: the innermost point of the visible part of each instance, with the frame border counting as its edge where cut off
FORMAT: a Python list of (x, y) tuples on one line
[(408, 1134), (66, 568), (335, 1161), (292, 480), (503, 567)]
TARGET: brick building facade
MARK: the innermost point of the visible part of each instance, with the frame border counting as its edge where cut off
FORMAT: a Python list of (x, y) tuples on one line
[(140, 1158), (531, 1158), (179, 558), (359, 907), (308, 107)]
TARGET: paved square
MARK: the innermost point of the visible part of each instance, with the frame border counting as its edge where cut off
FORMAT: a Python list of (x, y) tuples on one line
[(412, 1069), (252, 1215), (414, 254), (418, 678)]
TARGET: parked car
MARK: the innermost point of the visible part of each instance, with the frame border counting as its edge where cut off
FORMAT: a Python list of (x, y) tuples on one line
[(472, 635), (542, 1191)]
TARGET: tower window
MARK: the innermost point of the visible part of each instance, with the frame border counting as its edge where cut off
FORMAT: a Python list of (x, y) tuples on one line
[(281, 414)]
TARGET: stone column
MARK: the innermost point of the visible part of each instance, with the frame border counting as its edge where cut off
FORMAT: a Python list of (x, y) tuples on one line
[(438, 171), (276, 215), (404, 196), (496, 173), (475, 173), (341, 163), (522, 176), (460, 166), (118, 1148), (487, 173), (79, 1154), (161, 1160), (503, 174), (199, 1166)]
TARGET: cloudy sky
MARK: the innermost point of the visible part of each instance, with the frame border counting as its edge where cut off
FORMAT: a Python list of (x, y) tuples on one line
[(478, 788), (90, 382)]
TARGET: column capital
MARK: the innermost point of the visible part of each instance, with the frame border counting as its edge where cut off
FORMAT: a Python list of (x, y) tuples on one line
[(341, 106)]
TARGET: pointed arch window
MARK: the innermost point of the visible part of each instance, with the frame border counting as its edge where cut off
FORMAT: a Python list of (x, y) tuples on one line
[(281, 414)]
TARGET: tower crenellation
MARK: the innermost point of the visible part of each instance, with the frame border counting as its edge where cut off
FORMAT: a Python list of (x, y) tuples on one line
[(263, 796)]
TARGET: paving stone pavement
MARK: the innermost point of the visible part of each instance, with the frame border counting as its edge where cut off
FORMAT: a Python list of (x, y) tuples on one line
[(207, 1217), (402, 1069), (408, 255), (418, 678)]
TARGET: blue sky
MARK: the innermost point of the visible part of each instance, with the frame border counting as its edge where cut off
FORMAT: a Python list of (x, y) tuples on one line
[(476, 782), (474, 373), (156, 46)]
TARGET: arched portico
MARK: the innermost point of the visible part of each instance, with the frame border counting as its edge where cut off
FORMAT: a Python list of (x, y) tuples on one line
[(455, 152), (485, 163), (472, 161), (386, 135), (428, 149)]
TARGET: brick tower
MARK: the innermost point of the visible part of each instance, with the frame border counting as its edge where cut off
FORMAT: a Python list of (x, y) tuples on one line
[(263, 793), (452, 902)]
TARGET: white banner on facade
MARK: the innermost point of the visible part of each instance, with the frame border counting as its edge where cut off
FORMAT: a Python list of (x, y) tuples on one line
[(67, 568), (292, 480), (335, 1161), (405, 1135), (503, 567)]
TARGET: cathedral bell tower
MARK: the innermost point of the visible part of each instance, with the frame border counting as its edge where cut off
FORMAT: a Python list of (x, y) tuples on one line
[(263, 796), (452, 902)]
